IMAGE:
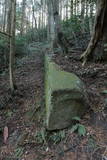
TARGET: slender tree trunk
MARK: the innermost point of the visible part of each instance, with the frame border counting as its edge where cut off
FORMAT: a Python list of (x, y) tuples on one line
[(66, 9), (8, 17), (2, 8), (51, 30), (78, 7), (42, 15), (60, 9), (72, 7), (75, 7), (12, 45), (83, 15), (86, 7), (23, 17), (91, 18), (0, 18), (39, 20), (4, 16)]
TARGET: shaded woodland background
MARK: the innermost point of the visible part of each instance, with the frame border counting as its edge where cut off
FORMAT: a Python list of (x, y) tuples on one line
[(31, 24)]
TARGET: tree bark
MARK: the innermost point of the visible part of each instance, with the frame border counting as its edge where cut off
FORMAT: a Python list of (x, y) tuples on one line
[(83, 15), (91, 17), (4, 16), (23, 17), (55, 34), (51, 30), (8, 17), (71, 8), (99, 37), (12, 46), (67, 9)]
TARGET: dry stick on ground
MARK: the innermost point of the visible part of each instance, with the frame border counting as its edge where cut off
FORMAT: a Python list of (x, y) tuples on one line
[(98, 30)]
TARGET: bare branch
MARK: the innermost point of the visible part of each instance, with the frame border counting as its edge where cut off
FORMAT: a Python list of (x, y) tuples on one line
[(6, 34)]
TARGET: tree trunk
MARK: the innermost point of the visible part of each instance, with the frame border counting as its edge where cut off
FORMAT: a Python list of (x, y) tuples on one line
[(99, 38), (8, 17), (51, 30), (91, 17), (71, 8), (23, 17), (75, 7), (4, 16), (83, 15), (67, 9), (60, 10), (12, 45), (87, 7)]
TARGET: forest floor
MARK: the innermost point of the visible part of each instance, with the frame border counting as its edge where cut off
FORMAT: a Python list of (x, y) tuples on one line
[(22, 132)]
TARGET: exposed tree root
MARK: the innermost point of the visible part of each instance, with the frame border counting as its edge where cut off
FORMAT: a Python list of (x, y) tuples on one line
[(98, 30)]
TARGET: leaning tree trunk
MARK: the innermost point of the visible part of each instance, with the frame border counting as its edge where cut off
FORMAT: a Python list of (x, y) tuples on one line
[(99, 36)]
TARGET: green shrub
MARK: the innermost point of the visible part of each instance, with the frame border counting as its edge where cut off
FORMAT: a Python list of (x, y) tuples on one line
[(36, 35), (74, 24), (4, 52), (21, 44)]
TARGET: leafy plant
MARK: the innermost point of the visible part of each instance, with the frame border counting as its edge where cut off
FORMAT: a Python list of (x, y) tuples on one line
[(56, 137), (8, 113), (41, 136), (76, 118), (105, 47), (21, 44), (104, 92), (91, 142), (78, 127), (4, 50), (18, 152)]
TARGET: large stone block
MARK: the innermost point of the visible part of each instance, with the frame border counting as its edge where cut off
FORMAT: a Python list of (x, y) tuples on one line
[(65, 96)]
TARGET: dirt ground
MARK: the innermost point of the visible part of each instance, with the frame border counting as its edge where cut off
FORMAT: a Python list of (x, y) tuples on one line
[(22, 115)]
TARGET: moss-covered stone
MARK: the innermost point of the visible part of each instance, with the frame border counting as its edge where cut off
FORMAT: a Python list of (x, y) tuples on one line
[(65, 96)]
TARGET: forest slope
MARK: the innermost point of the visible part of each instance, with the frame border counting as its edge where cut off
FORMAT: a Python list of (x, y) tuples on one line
[(23, 114)]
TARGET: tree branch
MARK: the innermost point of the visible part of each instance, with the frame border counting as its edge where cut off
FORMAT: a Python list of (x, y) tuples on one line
[(6, 34)]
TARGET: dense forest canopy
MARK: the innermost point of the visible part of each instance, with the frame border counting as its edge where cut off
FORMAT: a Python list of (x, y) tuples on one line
[(35, 12), (34, 21)]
